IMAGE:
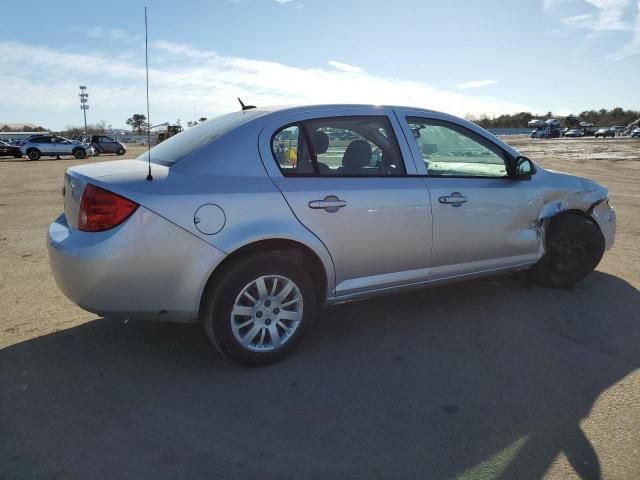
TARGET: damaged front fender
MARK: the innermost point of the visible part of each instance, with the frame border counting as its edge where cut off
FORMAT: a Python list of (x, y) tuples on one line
[(578, 194)]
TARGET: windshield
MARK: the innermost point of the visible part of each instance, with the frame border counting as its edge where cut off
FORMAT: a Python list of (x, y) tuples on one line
[(179, 146)]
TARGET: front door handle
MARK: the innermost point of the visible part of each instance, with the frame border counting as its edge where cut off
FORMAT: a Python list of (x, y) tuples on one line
[(330, 203), (455, 199)]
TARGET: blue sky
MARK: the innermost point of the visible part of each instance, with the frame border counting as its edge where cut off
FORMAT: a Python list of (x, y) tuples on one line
[(462, 57)]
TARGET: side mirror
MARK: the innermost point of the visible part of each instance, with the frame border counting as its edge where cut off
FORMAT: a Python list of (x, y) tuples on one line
[(524, 167)]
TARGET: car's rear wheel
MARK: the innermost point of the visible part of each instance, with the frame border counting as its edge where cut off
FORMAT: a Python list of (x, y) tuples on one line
[(259, 309), (574, 247), (33, 154), (121, 151), (79, 153)]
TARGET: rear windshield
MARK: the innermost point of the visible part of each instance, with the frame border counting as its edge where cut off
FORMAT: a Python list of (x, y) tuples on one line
[(179, 146)]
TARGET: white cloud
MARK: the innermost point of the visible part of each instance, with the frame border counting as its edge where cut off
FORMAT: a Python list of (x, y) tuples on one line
[(608, 16), (476, 84), (633, 47), (182, 50), (109, 33), (40, 85), (604, 16), (345, 67), (549, 5), (282, 2)]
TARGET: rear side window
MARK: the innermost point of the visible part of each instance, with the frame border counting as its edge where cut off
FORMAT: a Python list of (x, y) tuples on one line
[(359, 146), (179, 146)]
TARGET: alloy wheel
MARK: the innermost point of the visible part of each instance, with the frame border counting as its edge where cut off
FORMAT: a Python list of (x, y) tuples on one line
[(266, 313)]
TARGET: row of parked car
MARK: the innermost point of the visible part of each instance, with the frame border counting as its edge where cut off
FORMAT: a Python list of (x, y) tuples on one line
[(37, 146), (600, 133)]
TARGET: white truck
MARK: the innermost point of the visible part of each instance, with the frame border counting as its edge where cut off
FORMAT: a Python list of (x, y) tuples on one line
[(545, 129)]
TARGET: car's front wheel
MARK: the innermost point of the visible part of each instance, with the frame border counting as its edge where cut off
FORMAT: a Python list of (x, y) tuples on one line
[(574, 247), (259, 308), (121, 151), (79, 153)]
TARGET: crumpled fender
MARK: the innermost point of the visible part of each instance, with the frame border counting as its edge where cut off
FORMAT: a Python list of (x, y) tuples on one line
[(586, 196)]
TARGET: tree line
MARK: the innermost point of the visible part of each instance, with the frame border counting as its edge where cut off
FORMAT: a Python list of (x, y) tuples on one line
[(602, 117), (138, 122), (25, 128)]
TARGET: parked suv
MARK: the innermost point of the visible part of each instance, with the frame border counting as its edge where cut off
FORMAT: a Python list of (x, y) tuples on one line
[(103, 144), (54, 146), (605, 132)]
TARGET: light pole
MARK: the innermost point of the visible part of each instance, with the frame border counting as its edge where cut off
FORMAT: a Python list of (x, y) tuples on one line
[(84, 104)]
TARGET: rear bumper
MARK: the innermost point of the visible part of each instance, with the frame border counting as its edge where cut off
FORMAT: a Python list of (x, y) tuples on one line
[(145, 268)]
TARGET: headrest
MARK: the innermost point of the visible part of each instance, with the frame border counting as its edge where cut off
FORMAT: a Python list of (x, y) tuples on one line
[(357, 155), (320, 141)]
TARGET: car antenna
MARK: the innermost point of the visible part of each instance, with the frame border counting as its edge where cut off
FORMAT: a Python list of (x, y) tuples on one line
[(245, 107), (146, 62)]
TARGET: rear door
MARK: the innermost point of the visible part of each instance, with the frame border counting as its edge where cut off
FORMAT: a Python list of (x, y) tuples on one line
[(345, 178), (483, 218), (43, 144)]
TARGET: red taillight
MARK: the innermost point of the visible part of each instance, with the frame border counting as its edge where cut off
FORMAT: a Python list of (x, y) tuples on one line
[(101, 209)]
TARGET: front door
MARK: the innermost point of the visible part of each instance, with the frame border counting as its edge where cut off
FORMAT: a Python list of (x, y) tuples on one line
[(483, 219), (346, 181)]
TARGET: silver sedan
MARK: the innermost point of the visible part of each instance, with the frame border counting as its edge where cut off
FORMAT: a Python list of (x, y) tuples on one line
[(250, 221)]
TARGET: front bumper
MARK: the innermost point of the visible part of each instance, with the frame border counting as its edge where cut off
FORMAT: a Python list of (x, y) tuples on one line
[(605, 216), (145, 268)]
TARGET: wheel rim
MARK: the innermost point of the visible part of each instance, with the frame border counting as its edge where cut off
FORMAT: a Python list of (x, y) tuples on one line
[(569, 255), (33, 155), (266, 313)]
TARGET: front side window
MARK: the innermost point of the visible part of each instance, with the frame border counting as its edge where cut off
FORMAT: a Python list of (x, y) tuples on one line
[(451, 151), (339, 147)]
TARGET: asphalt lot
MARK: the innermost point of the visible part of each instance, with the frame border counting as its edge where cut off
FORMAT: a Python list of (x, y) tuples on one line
[(487, 379)]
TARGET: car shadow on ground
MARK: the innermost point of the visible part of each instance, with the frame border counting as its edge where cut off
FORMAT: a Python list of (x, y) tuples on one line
[(486, 379)]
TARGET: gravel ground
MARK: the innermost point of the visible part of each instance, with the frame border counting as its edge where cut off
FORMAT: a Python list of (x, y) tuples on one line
[(488, 379)]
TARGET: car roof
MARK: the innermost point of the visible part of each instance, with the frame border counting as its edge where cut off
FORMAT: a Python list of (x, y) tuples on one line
[(300, 108)]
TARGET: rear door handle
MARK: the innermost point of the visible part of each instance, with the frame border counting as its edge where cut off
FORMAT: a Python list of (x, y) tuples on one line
[(455, 199), (330, 203)]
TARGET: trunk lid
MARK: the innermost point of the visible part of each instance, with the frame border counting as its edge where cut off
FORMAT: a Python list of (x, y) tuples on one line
[(124, 177)]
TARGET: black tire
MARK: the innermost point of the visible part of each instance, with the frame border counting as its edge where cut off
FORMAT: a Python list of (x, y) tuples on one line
[(33, 154), (574, 247), (79, 153), (121, 151), (222, 294)]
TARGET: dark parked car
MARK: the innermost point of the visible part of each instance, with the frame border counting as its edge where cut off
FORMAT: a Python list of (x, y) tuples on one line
[(7, 150), (104, 144), (574, 132), (605, 132)]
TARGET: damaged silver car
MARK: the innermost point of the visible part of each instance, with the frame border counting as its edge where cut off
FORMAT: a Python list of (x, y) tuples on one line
[(250, 221)]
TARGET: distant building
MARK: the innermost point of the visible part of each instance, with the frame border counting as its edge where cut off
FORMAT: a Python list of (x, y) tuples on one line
[(18, 135)]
